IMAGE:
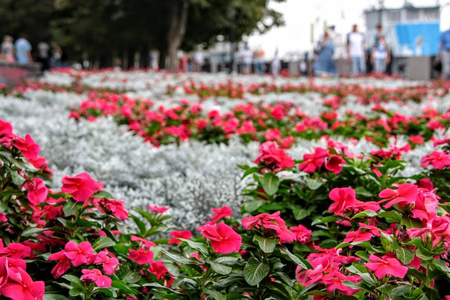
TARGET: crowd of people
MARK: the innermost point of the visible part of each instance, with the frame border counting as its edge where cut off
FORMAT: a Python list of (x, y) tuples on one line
[(378, 53), (21, 52)]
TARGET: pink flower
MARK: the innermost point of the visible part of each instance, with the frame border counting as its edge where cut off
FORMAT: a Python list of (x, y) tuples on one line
[(157, 209), (184, 234), (405, 194), (28, 147), (344, 199), (334, 281), (274, 158), (416, 139), (425, 205), (141, 256), (158, 269), (334, 163), (16, 250), (223, 239), (272, 222), (5, 128), (115, 207), (81, 186), (358, 236), (220, 213), (79, 254), (37, 191), (303, 234), (109, 263), (96, 276), (438, 159), (62, 266), (314, 161), (144, 242), (22, 287), (386, 265), (9, 266)]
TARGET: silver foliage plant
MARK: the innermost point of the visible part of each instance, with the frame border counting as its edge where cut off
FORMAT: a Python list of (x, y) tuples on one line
[(190, 179)]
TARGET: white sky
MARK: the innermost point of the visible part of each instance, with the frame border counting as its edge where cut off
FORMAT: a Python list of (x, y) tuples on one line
[(300, 14)]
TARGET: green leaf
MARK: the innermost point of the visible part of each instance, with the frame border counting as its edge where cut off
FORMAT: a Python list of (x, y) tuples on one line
[(270, 183), (103, 242), (141, 225), (313, 184), (300, 213), (176, 257), (267, 245), (405, 255), (108, 292), (255, 271), (226, 260), (215, 294), (390, 215), (16, 178), (342, 245), (252, 205), (74, 280), (292, 257), (197, 246), (219, 268), (71, 207), (441, 266), (75, 291), (366, 213), (102, 194), (55, 297), (123, 287), (363, 192), (324, 220), (249, 171), (33, 231)]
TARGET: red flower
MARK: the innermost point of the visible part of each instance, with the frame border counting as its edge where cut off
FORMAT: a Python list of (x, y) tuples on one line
[(115, 207), (109, 263), (22, 287), (303, 234), (274, 158), (62, 266), (37, 191), (28, 147), (145, 242), (79, 254), (405, 194), (438, 159), (16, 250), (425, 205), (223, 239), (141, 256), (157, 209), (184, 234), (158, 269), (5, 128), (96, 276), (344, 199), (334, 163), (386, 265), (272, 222), (81, 186), (313, 161), (221, 213), (9, 265)]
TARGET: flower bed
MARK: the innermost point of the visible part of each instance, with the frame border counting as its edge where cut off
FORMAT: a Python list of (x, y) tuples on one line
[(349, 226)]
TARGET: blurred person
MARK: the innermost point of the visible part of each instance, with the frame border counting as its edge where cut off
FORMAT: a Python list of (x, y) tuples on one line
[(259, 58), (23, 50), (7, 48), (198, 61), (247, 57), (44, 55), (276, 64), (325, 65), (444, 53), (183, 62), (56, 55), (380, 55), (303, 67), (355, 51)]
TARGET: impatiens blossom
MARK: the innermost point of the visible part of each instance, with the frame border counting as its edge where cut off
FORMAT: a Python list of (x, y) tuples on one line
[(114, 207), (37, 191), (222, 237), (438, 229), (81, 186), (16, 250), (157, 209), (425, 205), (22, 287), (109, 263), (386, 265), (96, 276), (28, 147), (184, 234), (405, 194), (344, 199), (79, 254), (220, 213), (142, 256), (62, 266), (158, 269), (273, 157), (313, 161), (5, 128), (334, 164), (438, 159), (303, 234), (271, 222)]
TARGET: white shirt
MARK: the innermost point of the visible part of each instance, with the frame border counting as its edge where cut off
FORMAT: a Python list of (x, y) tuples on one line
[(247, 56), (355, 40)]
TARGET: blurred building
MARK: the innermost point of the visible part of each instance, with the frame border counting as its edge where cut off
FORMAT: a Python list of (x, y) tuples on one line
[(410, 30)]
